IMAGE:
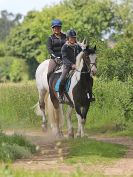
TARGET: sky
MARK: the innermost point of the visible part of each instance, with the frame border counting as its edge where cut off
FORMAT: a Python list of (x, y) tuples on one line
[(23, 6)]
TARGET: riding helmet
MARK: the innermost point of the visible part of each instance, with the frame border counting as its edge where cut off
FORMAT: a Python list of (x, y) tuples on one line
[(56, 23), (71, 33)]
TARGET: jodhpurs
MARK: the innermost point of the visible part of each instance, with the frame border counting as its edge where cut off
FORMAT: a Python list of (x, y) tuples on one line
[(51, 67)]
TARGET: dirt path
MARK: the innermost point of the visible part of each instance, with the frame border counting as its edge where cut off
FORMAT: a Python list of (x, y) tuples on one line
[(51, 153), (124, 166)]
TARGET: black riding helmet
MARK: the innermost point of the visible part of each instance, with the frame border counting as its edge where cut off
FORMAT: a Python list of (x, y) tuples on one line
[(71, 33), (56, 22)]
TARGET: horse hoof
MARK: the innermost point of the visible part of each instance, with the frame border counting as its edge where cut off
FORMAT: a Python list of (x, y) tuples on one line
[(61, 135), (78, 135), (70, 135), (44, 127)]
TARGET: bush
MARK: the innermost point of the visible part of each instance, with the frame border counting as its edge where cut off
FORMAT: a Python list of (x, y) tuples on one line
[(5, 63), (116, 62), (113, 107), (2, 49), (12, 69), (18, 70), (14, 147)]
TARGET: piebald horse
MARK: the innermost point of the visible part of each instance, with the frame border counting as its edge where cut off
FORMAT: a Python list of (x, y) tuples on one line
[(80, 92)]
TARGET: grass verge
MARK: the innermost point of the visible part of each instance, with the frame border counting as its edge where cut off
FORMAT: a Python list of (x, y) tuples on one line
[(6, 171), (92, 152), (14, 147)]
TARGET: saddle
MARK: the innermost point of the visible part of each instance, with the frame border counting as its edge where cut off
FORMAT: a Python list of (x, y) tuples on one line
[(55, 83)]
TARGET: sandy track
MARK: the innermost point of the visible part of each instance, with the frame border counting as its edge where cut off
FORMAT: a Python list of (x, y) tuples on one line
[(52, 152)]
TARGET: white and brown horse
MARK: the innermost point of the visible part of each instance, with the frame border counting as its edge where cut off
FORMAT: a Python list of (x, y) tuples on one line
[(80, 92)]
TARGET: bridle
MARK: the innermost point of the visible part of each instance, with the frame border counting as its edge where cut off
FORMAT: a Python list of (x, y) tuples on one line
[(89, 66)]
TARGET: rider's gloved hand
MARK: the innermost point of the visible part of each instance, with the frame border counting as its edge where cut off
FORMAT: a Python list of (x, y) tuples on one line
[(58, 60), (73, 66)]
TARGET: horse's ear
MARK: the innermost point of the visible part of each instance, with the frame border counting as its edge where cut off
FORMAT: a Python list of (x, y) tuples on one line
[(84, 42), (95, 47)]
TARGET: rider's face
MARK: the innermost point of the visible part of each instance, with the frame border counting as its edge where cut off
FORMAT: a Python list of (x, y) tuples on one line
[(72, 40), (56, 30)]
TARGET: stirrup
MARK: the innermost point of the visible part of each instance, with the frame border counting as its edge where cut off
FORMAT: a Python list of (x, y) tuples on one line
[(60, 99)]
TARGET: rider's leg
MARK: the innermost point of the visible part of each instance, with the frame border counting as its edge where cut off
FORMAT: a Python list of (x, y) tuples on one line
[(65, 71), (51, 68)]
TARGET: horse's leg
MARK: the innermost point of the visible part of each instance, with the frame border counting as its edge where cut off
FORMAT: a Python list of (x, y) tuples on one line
[(81, 115), (42, 95), (55, 115), (69, 122), (78, 134), (81, 123)]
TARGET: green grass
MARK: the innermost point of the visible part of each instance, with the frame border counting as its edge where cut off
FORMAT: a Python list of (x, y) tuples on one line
[(7, 171), (112, 111), (14, 147), (16, 102), (91, 151)]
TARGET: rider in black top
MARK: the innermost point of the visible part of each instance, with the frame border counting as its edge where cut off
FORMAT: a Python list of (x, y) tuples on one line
[(69, 52), (54, 44)]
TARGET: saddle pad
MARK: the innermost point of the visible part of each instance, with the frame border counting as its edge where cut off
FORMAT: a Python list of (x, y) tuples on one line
[(67, 85), (57, 85)]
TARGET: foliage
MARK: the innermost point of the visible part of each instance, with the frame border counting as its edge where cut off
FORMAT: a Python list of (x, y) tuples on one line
[(14, 147), (113, 108), (92, 151), (116, 62), (16, 102), (91, 19), (2, 49), (7, 171), (7, 22), (18, 70), (12, 68), (98, 17), (5, 63)]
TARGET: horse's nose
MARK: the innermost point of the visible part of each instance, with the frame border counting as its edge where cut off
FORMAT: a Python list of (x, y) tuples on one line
[(93, 71)]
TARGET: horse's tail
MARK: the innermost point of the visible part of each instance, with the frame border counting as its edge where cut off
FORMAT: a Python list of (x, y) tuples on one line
[(37, 109), (56, 116)]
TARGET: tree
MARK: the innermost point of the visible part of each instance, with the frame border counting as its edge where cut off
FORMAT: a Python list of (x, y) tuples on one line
[(7, 21), (90, 18)]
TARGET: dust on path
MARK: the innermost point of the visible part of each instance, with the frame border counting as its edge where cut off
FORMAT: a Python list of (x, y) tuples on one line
[(52, 152)]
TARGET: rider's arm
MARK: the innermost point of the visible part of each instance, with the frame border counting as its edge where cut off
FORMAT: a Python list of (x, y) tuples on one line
[(50, 47), (64, 53)]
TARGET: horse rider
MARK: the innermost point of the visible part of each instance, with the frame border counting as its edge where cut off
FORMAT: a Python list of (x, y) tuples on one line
[(69, 52), (54, 44)]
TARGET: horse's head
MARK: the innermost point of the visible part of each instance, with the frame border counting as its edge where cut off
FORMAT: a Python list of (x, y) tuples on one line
[(89, 58)]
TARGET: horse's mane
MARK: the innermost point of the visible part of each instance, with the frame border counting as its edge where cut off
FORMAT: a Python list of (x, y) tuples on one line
[(78, 59), (80, 55)]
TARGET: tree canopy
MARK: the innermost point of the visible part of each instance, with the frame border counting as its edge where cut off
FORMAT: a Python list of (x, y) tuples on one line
[(90, 18)]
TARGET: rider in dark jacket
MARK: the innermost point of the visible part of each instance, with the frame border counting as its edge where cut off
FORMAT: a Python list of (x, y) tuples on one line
[(54, 44), (69, 52)]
